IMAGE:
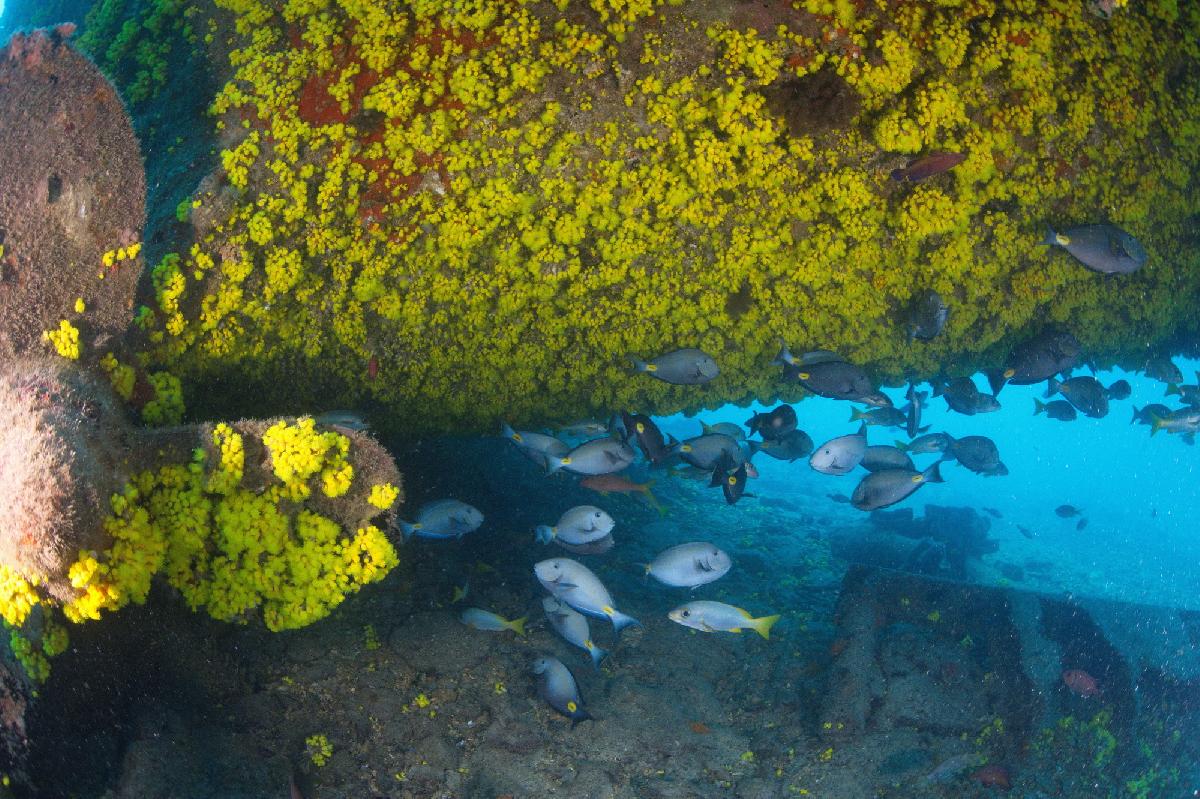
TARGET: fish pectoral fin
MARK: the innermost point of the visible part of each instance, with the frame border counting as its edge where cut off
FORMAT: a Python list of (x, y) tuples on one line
[(706, 627), (560, 583), (703, 565)]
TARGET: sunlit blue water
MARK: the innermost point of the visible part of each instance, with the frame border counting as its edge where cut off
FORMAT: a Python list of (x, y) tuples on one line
[(1138, 493)]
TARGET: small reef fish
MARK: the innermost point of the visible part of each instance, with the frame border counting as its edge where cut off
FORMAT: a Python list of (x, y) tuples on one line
[(732, 481), (995, 514), (649, 438), (881, 489), (977, 453), (707, 451), (841, 498), (1119, 390), (993, 776), (445, 518), (927, 166), (1188, 394), (837, 380), (605, 484), (1025, 531), (557, 687), (584, 429), (730, 429), (1067, 511), (1081, 683), (878, 457), (950, 768), (1084, 392), (486, 620), (916, 404), (1037, 359), (926, 316), (598, 456), (794, 445), (343, 421), (460, 593), (581, 524), (786, 358), (880, 417), (1102, 248), (685, 367), (1082, 523), (538, 447), (572, 626), (689, 565), (1146, 414), (774, 424), (923, 445), (840, 455), (1163, 370), (1061, 410), (963, 396), (717, 617), (575, 584)]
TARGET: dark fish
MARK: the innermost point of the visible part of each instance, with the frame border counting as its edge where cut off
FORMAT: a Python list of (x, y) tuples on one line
[(993, 513), (880, 417), (880, 456), (1102, 248), (707, 451), (732, 480), (686, 367), (796, 444), (1084, 392), (916, 404), (842, 498), (1146, 415), (1188, 395), (1119, 390), (881, 489), (837, 380), (923, 445), (1035, 360), (774, 424), (1061, 410), (977, 453), (926, 316), (1067, 511), (649, 438), (1025, 531), (928, 165), (557, 687), (962, 396), (1162, 370), (1082, 523)]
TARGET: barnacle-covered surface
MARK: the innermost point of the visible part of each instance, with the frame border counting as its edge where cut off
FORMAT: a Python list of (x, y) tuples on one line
[(455, 211)]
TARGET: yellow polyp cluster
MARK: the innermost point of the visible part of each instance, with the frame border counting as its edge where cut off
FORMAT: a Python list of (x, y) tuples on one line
[(65, 340), (537, 200), (121, 376), (226, 474), (18, 597), (166, 408), (299, 451), (116, 257), (383, 495), (35, 663)]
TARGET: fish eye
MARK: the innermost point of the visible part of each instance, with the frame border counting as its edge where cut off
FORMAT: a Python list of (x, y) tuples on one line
[(598, 514), (686, 613)]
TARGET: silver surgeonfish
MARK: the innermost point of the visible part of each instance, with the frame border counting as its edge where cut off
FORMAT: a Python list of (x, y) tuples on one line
[(573, 627), (580, 525), (575, 584), (685, 367), (556, 685), (689, 565), (598, 456), (445, 518)]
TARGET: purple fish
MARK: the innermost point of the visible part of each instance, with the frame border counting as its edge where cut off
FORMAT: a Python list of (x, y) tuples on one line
[(928, 165)]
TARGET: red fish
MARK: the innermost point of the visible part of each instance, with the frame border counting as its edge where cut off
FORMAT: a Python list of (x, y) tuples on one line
[(929, 165), (1081, 683), (372, 367), (993, 777), (610, 483)]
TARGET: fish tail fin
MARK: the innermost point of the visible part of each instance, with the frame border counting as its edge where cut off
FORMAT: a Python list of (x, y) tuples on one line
[(645, 571), (1051, 238), (902, 446), (598, 654), (581, 715), (763, 625), (933, 474), (1189, 439), (517, 625), (1172, 388), (653, 500), (407, 529), (856, 414), (554, 464), (785, 357), (1136, 415), (543, 534), (506, 431), (1156, 423), (639, 365), (1051, 387), (1038, 406), (620, 621), (705, 428), (996, 380)]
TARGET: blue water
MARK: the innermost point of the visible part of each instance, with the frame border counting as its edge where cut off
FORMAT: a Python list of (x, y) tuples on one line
[(1139, 493)]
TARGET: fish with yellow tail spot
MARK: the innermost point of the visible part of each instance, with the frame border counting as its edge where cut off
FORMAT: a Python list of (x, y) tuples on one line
[(486, 620), (445, 518), (556, 685), (573, 627), (717, 617), (685, 367)]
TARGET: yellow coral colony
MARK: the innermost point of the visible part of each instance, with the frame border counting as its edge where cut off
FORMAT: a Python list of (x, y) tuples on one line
[(474, 208)]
